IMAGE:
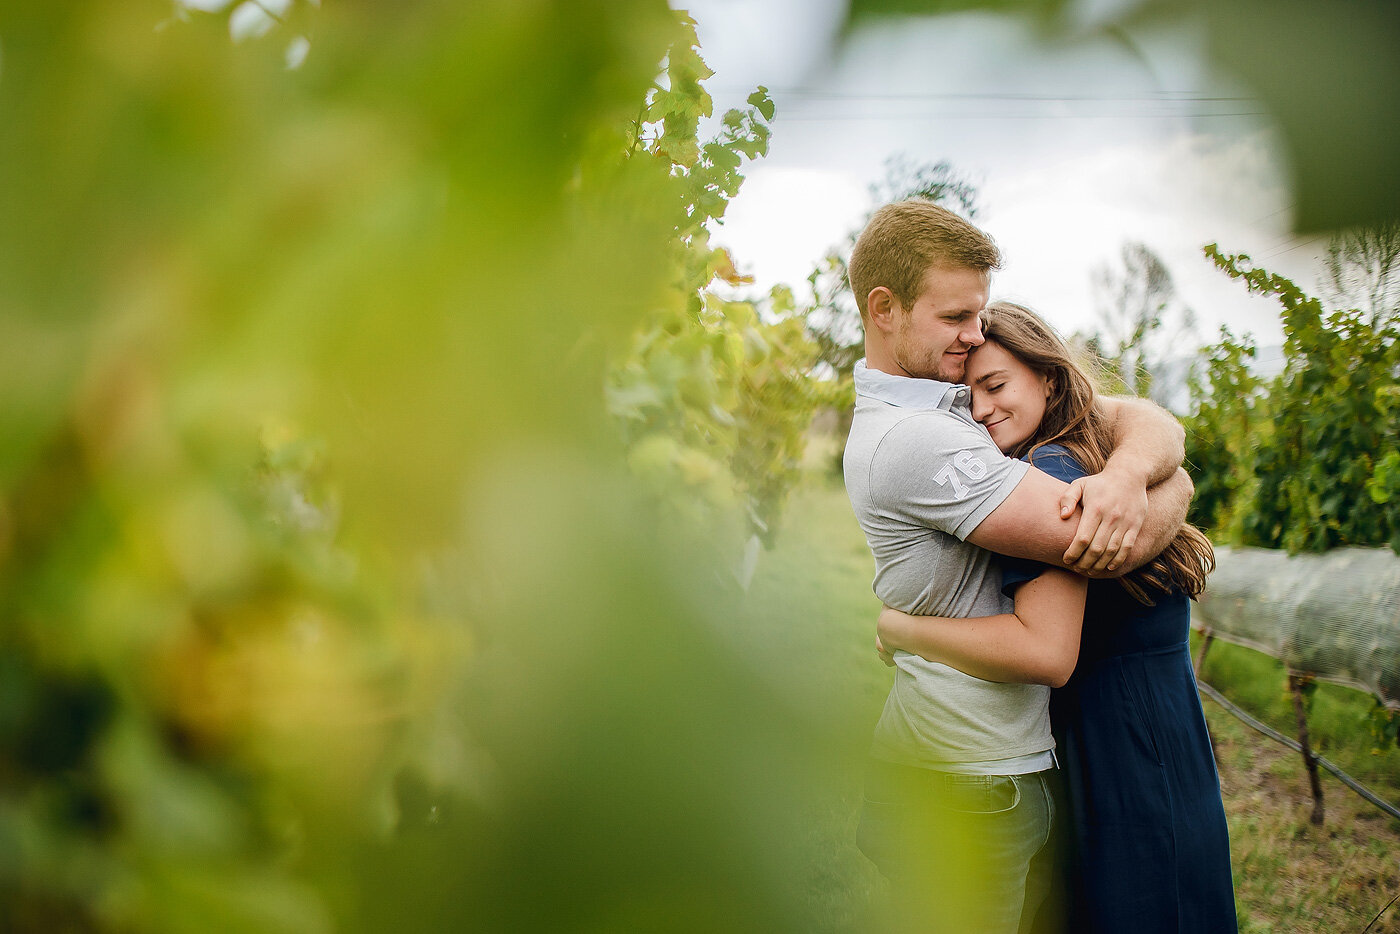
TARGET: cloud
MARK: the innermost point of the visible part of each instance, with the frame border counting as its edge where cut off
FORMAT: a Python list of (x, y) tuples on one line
[(1059, 222), (1075, 149), (785, 219)]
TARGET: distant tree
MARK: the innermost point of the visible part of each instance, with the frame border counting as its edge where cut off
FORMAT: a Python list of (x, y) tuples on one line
[(1363, 271), (1309, 460), (1141, 320), (832, 315)]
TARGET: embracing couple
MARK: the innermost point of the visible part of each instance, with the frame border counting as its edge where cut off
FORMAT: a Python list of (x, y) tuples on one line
[(1028, 534)]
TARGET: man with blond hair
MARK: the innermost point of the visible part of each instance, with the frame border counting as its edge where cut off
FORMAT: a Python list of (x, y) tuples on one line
[(959, 802)]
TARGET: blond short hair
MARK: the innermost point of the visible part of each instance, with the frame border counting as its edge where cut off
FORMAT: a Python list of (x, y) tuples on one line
[(906, 239)]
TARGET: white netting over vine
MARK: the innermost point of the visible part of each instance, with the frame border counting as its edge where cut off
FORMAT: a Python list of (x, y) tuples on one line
[(1334, 615)]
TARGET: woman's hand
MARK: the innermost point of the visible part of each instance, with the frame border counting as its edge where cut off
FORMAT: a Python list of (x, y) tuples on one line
[(886, 656), (888, 633)]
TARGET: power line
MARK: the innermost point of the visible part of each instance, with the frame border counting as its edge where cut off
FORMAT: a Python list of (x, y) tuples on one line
[(1287, 207), (841, 118), (1178, 104), (1297, 246), (1164, 96)]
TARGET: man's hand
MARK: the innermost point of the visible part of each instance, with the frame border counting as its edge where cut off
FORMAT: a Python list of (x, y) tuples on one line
[(1115, 508), (1148, 447)]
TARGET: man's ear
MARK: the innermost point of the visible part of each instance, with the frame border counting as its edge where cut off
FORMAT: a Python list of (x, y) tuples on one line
[(881, 306)]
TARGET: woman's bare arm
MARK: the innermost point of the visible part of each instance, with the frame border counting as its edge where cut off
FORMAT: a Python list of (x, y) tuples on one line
[(1036, 644)]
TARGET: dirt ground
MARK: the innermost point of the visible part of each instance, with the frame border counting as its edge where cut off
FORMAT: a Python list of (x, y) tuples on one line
[(1292, 876)]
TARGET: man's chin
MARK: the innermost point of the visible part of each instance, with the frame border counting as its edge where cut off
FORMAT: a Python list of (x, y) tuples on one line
[(953, 372)]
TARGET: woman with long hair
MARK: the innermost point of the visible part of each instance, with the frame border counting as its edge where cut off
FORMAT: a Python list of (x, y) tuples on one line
[(1148, 849)]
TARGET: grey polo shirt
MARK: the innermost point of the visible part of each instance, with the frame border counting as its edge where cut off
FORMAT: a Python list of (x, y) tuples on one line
[(922, 475)]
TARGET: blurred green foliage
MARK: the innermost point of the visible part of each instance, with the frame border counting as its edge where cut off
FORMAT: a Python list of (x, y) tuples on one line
[(1224, 431), (1327, 71), (714, 390), (328, 599), (1305, 461)]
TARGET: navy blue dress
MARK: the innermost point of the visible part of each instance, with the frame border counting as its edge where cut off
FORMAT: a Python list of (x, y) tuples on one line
[(1149, 847)]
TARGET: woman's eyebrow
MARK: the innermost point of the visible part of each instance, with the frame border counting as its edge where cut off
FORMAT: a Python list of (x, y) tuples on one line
[(986, 376)]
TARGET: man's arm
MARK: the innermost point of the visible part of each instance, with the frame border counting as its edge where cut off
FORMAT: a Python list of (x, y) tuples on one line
[(1149, 445), (1027, 524), (1147, 439)]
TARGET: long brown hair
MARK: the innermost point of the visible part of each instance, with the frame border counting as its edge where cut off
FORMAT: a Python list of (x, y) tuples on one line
[(1075, 419)]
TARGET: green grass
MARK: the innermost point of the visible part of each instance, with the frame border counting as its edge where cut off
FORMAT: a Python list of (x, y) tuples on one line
[(819, 614), (1338, 717), (1289, 874), (815, 604)]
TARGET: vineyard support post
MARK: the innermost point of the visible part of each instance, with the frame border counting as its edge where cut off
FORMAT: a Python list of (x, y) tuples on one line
[(1207, 637), (1295, 687)]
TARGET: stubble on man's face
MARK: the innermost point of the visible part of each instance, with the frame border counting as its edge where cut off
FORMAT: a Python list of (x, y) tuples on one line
[(934, 335), (920, 362), (945, 369), (945, 359), (950, 371)]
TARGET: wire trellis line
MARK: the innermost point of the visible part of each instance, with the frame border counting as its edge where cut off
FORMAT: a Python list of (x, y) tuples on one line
[(1293, 744)]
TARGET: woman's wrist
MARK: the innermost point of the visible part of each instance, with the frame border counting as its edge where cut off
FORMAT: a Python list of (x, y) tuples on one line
[(891, 629)]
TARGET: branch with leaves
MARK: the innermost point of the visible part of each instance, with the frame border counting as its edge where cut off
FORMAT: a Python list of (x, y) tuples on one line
[(714, 395)]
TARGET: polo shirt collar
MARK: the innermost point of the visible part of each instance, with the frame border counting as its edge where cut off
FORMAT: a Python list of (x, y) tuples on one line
[(907, 391)]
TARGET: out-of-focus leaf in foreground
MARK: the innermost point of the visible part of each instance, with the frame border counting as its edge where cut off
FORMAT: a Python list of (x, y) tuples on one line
[(1328, 72), (328, 601)]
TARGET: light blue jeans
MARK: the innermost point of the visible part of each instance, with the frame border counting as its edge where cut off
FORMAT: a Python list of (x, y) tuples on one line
[(963, 853)]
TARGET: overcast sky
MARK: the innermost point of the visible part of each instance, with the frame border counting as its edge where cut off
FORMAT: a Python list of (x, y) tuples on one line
[(1074, 150)]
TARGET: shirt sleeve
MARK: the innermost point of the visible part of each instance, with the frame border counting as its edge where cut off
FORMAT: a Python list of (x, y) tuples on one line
[(1058, 462), (935, 470)]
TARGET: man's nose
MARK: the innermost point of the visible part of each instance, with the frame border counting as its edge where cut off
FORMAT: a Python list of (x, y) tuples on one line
[(972, 334)]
